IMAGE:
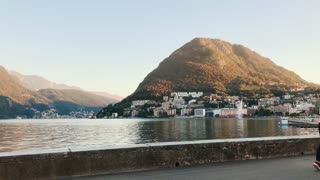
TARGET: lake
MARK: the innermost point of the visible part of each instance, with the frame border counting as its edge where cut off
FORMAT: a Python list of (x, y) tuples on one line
[(45, 134)]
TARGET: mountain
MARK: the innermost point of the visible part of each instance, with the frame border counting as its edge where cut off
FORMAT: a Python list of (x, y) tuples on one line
[(35, 83), (11, 109), (108, 95), (75, 96), (66, 101), (213, 65), (17, 93), (16, 100)]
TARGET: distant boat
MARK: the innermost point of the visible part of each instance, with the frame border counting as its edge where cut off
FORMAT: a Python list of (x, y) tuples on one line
[(284, 121)]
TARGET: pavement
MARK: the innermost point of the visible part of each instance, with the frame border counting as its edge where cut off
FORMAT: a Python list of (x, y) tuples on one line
[(280, 168)]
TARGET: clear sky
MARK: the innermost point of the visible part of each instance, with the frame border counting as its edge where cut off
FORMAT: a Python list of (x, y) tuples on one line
[(112, 45)]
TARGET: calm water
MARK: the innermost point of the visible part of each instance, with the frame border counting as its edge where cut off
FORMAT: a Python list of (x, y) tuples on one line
[(50, 134)]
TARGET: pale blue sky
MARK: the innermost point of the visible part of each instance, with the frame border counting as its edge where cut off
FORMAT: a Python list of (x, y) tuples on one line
[(112, 45)]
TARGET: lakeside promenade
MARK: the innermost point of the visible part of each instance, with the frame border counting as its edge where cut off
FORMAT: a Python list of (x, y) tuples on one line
[(289, 168), (203, 158)]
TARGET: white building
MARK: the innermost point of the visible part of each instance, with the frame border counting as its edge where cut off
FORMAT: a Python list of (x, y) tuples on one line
[(134, 113), (217, 111), (139, 102), (186, 112), (183, 112), (304, 106), (166, 105), (114, 115), (178, 102), (187, 94), (287, 96), (171, 112), (166, 98), (199, 113), (192, 101), (195, 94), (268, 101)]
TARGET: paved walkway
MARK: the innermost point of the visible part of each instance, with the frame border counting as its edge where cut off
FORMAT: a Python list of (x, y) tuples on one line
[(282, 168)]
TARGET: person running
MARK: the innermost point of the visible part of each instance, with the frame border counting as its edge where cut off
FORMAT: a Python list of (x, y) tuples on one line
[(316, 164)]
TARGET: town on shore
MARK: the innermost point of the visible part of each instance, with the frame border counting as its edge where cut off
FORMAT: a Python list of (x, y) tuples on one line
[(199, 104)]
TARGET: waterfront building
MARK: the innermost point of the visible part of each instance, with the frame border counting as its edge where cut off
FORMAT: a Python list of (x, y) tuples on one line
[(228, 112), (199, 113), (114, 115), (183, 112), (217, 112), (157, 112), (127, 112), (166, 105), (251, 111), (134, 113), (304, 106), (232, 112), (186, 112), (281, 109), (171, 112), (308, 108)]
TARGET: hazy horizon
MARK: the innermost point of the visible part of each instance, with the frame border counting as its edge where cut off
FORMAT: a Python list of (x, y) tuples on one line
[(111, 47)]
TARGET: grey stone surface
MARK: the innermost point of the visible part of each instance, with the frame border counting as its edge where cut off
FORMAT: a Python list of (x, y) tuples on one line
[(290, 168), (82, 162)]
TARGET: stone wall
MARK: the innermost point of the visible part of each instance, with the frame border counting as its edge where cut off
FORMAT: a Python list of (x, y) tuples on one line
[(80, 162)]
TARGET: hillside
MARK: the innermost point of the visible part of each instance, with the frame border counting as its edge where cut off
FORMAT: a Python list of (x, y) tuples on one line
[(11, 89), (16, 100), (75, 96), (36, 83), (213, 65), (114, 97)]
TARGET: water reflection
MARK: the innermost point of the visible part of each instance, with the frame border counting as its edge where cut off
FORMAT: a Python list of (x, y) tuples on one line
[(49, 134), (197, 129)]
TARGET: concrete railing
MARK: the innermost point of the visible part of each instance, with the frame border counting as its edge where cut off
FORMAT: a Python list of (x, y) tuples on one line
[(81, 162)]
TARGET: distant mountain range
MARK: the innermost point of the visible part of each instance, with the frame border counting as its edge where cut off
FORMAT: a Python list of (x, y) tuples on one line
[(22, 95), (214, 65), (75, 96), (35, 83), (13, 90)]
